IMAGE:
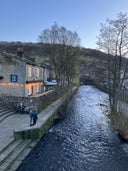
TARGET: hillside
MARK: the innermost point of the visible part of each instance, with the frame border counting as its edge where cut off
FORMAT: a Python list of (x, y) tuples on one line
[(30, 49), (40, 49)]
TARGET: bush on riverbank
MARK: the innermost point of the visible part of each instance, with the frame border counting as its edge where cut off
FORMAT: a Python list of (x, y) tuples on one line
[(119, 121)]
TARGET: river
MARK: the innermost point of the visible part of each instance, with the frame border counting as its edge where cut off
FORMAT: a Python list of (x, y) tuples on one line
[(83, 140)]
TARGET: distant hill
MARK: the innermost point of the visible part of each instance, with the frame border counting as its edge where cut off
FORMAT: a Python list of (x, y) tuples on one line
[(93, 53), (30, 49), (40, 49)]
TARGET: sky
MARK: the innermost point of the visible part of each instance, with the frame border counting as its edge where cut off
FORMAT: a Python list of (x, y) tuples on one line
[(24, 20)]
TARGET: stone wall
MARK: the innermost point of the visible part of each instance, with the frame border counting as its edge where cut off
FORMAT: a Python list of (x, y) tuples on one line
[(29, 102)]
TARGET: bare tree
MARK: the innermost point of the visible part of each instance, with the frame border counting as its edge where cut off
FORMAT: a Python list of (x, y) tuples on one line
[(64, 51), (113, 40)]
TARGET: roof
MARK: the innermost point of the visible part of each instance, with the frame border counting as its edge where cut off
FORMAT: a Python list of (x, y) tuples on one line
[(12, 58)]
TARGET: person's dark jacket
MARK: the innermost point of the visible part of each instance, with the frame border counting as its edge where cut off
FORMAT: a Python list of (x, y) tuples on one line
[(34, 115)]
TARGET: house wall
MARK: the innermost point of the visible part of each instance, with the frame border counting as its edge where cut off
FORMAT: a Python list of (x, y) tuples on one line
[(46, 74), (34, 78), (18, 78), (12, 89), (18, 69), (33, 88), (33, 73), (9, 86)]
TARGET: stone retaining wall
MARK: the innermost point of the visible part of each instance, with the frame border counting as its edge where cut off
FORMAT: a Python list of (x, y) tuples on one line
[(122, 95), (29, 102)]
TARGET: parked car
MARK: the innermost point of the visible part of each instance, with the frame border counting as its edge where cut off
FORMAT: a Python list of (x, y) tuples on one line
[(50, 83)]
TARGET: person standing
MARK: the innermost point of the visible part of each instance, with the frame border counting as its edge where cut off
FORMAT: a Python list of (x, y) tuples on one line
[(34, 117), (31, 119)]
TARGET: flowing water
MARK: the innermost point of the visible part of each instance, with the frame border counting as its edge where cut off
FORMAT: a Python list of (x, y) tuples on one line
[(82, 141)]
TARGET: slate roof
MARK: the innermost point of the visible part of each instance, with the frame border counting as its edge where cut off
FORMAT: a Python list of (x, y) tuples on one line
[(12, 58)]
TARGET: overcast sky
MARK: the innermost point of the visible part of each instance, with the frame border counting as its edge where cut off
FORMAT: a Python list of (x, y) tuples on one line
[(23, 20)]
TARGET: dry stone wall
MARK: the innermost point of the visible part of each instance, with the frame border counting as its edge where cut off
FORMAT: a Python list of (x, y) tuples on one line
[(29, 102)]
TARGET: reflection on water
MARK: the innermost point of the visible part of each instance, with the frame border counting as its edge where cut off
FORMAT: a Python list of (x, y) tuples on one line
[(82, 141)]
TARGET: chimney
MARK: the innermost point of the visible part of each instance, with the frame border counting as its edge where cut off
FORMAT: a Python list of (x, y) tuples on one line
[(20, 52)]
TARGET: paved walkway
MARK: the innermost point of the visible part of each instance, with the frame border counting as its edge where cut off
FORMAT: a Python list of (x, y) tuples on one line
[(8, 125), (19, 122)]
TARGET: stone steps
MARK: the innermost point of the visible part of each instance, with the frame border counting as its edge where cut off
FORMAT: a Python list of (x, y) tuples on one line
[(5, 112), (8, 149), (1, 104), (3, 109), (11, 157), (5, 115), (15, 164)]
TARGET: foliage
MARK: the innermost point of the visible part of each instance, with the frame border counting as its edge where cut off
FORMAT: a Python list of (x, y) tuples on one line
[(90, 58), (113, 39), (64, 52), (119, 121)]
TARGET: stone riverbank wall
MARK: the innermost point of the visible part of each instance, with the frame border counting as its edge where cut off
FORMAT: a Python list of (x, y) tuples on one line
[(123, 104), (121, 95)]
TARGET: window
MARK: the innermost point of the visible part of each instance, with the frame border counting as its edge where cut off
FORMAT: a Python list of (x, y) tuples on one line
[(36, 72), (37, 88), (29, 91), (1, 77), (13, 78), (29, 71)]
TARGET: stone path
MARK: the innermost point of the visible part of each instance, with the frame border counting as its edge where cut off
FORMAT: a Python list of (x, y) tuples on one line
[(8, 125), (20, 122)]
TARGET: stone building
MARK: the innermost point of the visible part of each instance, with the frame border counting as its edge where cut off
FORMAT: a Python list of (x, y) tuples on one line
[(21, 76)]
